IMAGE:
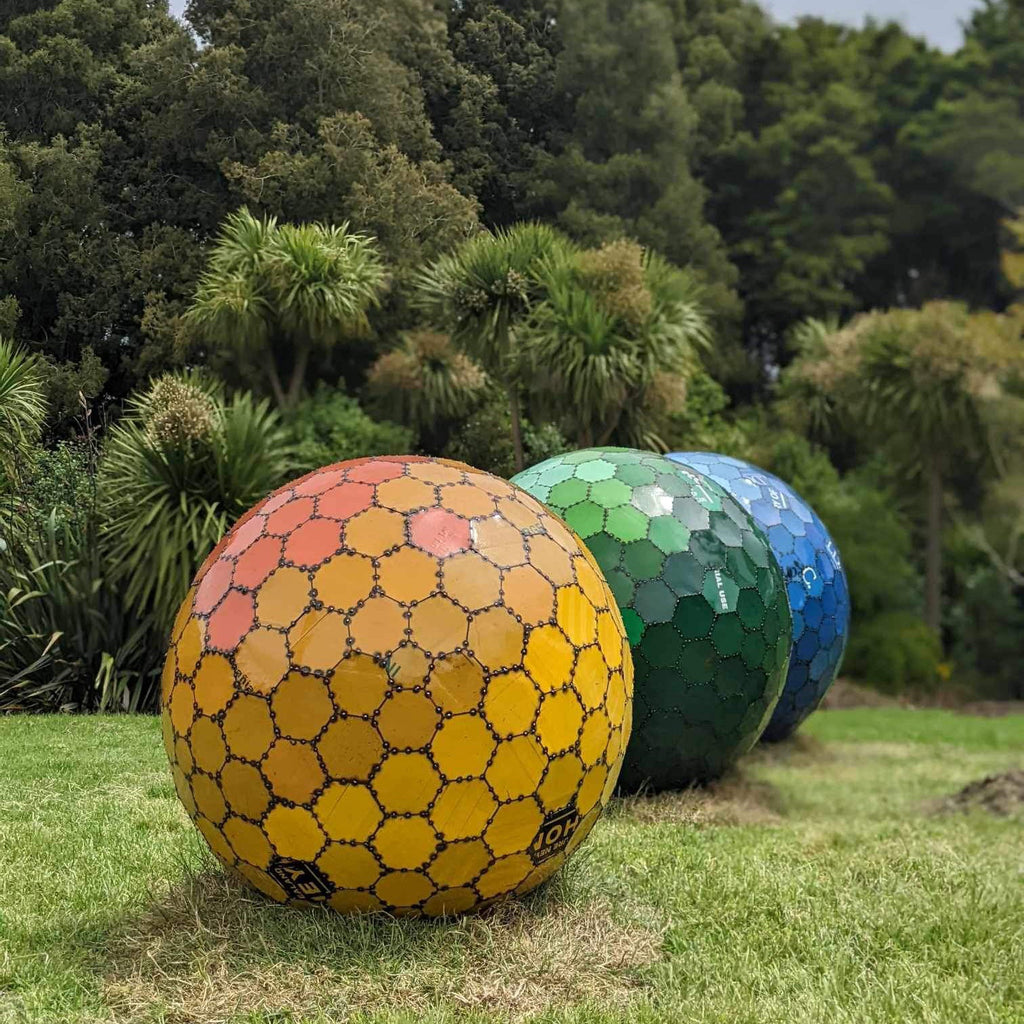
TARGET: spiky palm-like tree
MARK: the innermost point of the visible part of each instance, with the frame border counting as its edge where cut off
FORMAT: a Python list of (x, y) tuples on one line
[(22, 409), (613, 341), (482, 292), (426, 380), (929, 377), (277, 291), (175, 473)]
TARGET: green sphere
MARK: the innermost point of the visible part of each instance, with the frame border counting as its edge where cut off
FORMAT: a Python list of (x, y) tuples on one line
[(702, 598)]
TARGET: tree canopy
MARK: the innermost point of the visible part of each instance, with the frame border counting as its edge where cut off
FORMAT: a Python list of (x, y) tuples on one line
[(494, 230), (797, 171)]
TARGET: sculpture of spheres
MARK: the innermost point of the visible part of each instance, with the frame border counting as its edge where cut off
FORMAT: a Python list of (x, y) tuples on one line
[(702, 599)]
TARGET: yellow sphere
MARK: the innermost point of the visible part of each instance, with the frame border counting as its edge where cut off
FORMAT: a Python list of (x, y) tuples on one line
[(397, 684)]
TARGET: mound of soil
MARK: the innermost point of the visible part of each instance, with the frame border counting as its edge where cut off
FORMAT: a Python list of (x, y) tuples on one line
[(999, 794)]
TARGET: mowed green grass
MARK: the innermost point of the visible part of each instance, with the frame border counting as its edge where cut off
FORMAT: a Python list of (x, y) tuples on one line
[(816, 886)]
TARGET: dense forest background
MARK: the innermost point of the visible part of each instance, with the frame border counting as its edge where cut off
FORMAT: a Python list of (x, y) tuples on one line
[(841, 209)]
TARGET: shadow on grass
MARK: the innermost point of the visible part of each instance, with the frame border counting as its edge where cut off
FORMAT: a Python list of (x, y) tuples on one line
[(740, 797), (210, 949), (736, 799), (798, 751)]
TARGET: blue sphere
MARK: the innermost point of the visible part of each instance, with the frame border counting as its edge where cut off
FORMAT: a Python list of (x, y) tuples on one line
[(819, 596)]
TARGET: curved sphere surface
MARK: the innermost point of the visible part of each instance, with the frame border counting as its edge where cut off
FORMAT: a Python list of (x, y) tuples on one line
[(819, 596), (397, 683), (701, 597)]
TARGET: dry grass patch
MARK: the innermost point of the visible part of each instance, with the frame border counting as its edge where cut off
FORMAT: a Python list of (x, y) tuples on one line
[(211, 951), (799, 751), (737, 799), (844, 693)]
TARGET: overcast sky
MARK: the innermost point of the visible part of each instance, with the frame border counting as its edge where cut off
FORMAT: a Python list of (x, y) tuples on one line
[(938, 20)]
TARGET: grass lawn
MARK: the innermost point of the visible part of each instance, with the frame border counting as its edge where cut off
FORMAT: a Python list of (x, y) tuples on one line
[(816, 886)]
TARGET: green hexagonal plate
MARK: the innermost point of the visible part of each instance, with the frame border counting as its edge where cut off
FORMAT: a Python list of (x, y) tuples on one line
[(683, 573), (610, 493), (627, 523), (598, 469), (668, 534), (585, 518), (654, 602), (569, 493)]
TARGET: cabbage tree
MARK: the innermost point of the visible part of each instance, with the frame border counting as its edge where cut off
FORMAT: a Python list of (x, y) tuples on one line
[(924, 385), (426, 380), (482, 293), (275, 292), (611, 343)]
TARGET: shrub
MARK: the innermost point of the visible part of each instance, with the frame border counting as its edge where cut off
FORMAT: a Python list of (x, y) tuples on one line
[(59, 483), (697, 422), (485, 441), (68, 638), (986, 623), (22, 411), (70, 387), (331, 427), (895, 652), (877, 548)]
